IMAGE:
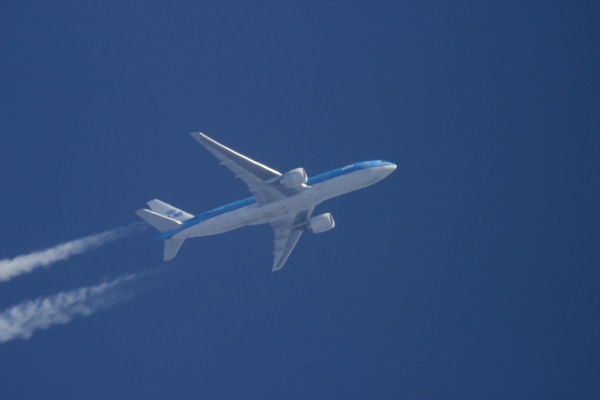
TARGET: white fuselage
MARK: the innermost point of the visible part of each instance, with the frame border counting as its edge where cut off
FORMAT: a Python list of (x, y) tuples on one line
[(253, 214)]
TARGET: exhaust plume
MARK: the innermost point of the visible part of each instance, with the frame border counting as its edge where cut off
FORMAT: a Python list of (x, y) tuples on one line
[(22, 320), (10, 268)]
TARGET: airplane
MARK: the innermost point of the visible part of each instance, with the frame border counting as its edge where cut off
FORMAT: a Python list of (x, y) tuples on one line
[(285, 201)]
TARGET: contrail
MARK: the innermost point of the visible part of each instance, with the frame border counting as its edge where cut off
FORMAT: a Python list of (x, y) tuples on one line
[(22, 320), (10, 268)]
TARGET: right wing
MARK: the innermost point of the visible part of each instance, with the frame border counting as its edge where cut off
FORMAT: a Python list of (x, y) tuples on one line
[(260, 179), (287, 233)]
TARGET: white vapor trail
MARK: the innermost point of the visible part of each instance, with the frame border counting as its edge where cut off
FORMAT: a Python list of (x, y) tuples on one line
[(22, 320), (10, 268)]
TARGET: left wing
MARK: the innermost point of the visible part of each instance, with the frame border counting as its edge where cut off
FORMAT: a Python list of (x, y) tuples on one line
[(287, 233), (260, 179)]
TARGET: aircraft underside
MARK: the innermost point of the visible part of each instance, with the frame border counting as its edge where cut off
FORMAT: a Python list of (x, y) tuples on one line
[(285, 201)]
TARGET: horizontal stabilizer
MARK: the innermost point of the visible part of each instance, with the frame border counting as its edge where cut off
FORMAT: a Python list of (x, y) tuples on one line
[(160, 222), (172, 246), (168, 210)]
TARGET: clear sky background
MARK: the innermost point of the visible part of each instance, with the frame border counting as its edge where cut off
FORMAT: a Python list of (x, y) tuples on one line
[(471, 272)]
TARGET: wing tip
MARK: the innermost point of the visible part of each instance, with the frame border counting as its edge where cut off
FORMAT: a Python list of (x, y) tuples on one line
[(198, 135), (276, 268)]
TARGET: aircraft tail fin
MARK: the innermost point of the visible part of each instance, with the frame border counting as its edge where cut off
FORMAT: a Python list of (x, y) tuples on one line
[(167, 210), (163, 224), (172, 246), (158, 221)]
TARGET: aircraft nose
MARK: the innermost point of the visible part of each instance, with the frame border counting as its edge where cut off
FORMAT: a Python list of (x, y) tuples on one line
[(383, 170), (388, 168)]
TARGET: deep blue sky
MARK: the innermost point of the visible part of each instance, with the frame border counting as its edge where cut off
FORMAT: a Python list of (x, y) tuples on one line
[(471, 272)]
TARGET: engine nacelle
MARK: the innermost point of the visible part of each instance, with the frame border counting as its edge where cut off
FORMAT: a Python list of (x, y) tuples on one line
[(295, 177), (321, 223)]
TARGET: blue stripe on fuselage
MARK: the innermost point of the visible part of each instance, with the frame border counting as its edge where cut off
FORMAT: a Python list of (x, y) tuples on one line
[(334, 173), (207, 215)]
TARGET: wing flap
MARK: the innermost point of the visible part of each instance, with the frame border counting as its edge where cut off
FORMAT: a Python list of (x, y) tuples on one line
[(287, 233), (285, 241)]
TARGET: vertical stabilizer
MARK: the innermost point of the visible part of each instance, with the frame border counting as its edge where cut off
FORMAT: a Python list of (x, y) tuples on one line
[(168, 210), (172, 246), (158, 221)]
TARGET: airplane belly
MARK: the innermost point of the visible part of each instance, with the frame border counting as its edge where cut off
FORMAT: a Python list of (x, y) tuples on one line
[(289, 206), (259, 214), (245, 216)]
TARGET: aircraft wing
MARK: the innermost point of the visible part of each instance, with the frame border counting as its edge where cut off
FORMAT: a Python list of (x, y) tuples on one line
[(287, 233), (260, 179)]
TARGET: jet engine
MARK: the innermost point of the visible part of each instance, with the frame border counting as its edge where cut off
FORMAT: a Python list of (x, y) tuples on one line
[(321, 223), (295, 177)]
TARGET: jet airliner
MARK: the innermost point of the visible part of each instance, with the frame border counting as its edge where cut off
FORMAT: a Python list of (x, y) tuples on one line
[(285, 201)]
